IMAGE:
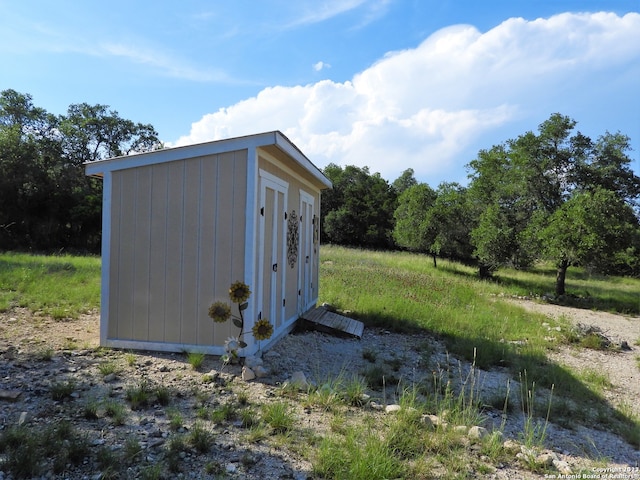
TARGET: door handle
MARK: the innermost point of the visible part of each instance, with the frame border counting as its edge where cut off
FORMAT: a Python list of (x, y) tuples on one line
[(274, 267)]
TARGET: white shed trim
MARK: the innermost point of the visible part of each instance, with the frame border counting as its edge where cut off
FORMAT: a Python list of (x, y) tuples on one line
[(201, 149)]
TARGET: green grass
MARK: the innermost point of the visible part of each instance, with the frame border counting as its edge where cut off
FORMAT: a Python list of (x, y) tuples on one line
[(62, 287), (404, 292), (396, 291)]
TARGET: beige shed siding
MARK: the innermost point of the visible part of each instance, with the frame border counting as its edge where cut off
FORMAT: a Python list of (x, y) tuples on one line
[(187, 221), (296, 180)]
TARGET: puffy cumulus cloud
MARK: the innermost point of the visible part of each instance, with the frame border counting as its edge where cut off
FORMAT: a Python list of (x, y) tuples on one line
[(424, 107)]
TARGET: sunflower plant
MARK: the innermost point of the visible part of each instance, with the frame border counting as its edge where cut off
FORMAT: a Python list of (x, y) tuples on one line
[(220, 312)]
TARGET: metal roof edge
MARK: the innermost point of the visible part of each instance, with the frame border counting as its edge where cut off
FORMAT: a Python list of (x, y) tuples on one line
[(287, 146), (274, 137)]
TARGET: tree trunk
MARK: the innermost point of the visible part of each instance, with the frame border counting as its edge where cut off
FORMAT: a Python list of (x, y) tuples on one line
[(435, 262), (561, 275), (484, 271)]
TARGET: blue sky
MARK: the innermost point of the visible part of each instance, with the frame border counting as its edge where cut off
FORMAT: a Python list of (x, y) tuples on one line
[(388, 84)]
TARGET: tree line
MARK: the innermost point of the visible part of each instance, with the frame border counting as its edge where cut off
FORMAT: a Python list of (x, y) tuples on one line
[(553, 195), (46, 201)]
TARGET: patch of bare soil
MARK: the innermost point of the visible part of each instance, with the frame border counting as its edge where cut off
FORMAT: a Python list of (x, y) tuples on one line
[(620, 364), (36, 353)]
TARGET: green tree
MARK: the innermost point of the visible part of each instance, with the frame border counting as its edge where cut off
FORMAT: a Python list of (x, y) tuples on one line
[(48, 203), (358, 211), (29, 148), (519, 185), (435, 222), (454, 219), (93, 132), (404, 181), (412, 229), (591, 228)]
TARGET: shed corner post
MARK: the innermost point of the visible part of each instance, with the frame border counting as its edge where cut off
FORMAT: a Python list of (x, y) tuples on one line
[(250, 241), (105, 253)]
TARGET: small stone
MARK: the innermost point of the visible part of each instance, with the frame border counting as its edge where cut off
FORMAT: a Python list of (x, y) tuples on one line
[(231, 468), (511, 446), (110, 377), (436, 421), (546, 459), (252, 361), (260, 371), (376, 406), (163, 368), (562, 467), (23, 418), (247, 374), (462, 429), (299, 380), (477, 433), (392, 408), (10, 395), (427, 422)]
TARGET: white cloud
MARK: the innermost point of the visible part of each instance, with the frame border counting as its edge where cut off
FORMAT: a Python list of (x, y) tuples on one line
[(424, 107), (164, 63), (318, 66), (315, 12)]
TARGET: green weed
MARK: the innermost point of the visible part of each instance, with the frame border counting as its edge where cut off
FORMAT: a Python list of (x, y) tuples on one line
[(62, 390), (196, 359), (138, 395), (108, 368), (116, 411), (200, 437), (278, 416)]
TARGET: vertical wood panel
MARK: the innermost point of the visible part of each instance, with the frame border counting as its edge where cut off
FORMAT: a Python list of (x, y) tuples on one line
[(158, 253), (237, 229), (206, 278), (173, 285), (280, 254), (267, 240), (140, 326), (190, 257), (114, 258), (223, 242), (239, 214), (126, 266)]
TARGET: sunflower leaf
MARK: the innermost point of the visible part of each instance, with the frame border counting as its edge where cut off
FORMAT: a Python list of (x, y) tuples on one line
[(244, 306), (237, 322), (242, 344)]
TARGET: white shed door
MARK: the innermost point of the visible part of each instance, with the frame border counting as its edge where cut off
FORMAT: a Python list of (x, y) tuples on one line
[(272, 249), (307, 259)]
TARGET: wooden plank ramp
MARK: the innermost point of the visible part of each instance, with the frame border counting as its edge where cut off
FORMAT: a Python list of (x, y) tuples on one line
[(330, 322)]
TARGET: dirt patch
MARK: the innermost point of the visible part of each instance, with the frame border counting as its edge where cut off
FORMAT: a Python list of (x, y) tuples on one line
[(619, 363)]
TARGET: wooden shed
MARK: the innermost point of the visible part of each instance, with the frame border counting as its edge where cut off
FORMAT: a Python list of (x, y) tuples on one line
[(180, 225)]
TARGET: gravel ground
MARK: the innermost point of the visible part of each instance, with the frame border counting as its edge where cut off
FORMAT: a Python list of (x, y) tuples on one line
[(36, 353)]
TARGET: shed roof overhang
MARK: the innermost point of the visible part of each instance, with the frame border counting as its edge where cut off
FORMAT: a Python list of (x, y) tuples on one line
[(267, 139)]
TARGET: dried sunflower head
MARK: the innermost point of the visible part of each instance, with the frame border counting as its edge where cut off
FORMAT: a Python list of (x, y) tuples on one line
[(239, 292), (232, 345), (220, 312), (262, 329)]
